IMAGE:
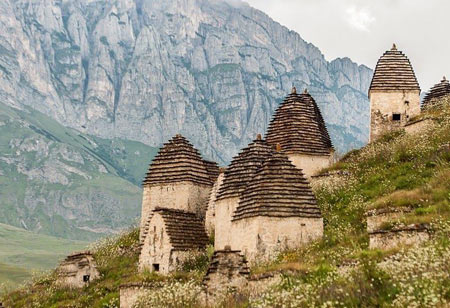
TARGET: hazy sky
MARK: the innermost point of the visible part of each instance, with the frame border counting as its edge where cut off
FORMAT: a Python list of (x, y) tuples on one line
[(363, 29)]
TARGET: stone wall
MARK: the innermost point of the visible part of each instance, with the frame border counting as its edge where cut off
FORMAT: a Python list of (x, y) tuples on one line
[(311, 164), (224, 211), (227, 275), (130, 293), (261, 238), (384, 104), (211, 210), (418, 126), (400, 237), (77, 271), (183, 196), (156, 248), (376, 218)]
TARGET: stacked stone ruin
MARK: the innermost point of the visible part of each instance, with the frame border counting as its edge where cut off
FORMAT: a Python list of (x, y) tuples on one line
[(436, 93), (394, 93), (299, 128), (176, 192), (77, 270)]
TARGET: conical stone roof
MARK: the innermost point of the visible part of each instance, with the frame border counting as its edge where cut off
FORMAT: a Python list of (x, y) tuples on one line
[(278, 189), (185, 230), (394, 72), (243, 167), (179, 161), (437, 91), (298, 126)]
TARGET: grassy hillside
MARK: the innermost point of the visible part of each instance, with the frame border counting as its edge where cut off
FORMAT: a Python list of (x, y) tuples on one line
[(58, 181), (337, 271), (23, 252)]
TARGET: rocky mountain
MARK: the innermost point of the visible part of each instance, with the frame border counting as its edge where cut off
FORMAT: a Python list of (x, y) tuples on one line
[(144, 70), (59, 181)]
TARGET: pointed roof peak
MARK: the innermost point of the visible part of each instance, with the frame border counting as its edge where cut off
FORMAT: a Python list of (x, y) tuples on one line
[(305, 91), (243, 167), (278, 189), (294, 90), (178, 161), (394, 72), (298, 126), (439, 90), (258, 137), (444, 79)]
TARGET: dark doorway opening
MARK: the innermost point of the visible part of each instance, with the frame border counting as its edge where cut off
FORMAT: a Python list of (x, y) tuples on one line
[(396, 117), (86, 278), (155, 267)]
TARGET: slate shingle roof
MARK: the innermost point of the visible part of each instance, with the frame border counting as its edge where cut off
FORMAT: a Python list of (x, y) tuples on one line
[(437, 91), (185, 229), (243, 167), (213, 170), (394, 72), (298, 126), (278, 189), (179, 161)]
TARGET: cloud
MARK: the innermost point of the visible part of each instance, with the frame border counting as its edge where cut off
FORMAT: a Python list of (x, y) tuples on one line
[(360, 19)]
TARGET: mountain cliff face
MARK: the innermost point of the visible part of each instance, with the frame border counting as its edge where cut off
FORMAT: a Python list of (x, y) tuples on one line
[(145, 70)]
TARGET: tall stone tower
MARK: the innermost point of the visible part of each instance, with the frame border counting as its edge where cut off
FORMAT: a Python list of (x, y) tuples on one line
[(178, 178), (394, 93)]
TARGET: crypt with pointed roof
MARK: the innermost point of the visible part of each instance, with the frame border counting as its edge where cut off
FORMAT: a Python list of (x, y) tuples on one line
[(176, 188), (436, 94), (394, 93), (277, 211), (299, 128)]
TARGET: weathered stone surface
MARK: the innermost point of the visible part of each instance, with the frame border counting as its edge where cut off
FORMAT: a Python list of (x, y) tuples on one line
[(377, 218), (394, 94), (77, 270), (405, 236), (227, 274), (130, 293), (436, 93), (145, 70), (172, 234), (415, 127), (210, 218)]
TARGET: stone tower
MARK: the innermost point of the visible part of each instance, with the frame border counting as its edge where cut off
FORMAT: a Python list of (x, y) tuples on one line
[(277, 211), (437, 92), (394, 93), (299, 128), (236, 177), (178, 178)]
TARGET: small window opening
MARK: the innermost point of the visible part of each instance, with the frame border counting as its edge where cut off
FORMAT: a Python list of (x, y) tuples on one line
[(407, 103), (155, 267), (396, 117), (86, 278)]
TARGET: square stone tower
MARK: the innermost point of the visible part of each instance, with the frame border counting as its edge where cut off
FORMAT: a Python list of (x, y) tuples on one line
[(178, 178), (394, 93)]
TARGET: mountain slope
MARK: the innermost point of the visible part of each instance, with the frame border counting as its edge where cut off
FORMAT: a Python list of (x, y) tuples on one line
[(147, 69), (58, 181), (22, 252), (336, 271)]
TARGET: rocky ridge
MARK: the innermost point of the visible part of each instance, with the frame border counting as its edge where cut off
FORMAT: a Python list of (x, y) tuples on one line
[(145, 70)]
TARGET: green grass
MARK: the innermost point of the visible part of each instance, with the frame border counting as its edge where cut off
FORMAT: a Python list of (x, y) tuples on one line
[(23, 252), (337, 271), (106, 179)]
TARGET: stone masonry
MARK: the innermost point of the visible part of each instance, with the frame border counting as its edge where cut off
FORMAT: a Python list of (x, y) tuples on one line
[(394, 93), (77, 270), (299, 128)]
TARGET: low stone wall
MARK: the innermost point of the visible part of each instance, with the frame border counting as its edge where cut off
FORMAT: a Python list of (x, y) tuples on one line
[(130, 293), (258, 284), (332, 178), (408, 236), (376, 218), (415, 127)]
